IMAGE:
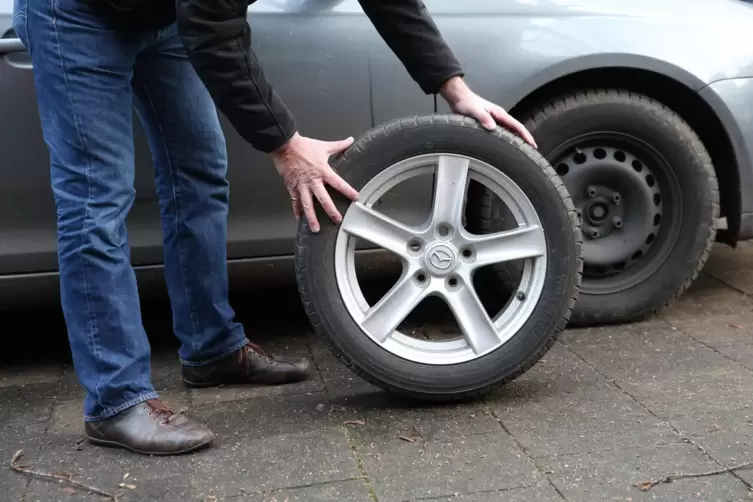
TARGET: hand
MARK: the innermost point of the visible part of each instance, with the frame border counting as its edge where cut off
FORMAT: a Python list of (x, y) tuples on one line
[(304, 166), (465, 102)]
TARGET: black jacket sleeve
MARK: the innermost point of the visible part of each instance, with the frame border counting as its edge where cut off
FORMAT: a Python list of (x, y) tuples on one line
[(410, 32), (217, 38)]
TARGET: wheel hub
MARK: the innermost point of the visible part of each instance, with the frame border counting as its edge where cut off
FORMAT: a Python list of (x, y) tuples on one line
[(440, 259), (619, 202), (597, 212)]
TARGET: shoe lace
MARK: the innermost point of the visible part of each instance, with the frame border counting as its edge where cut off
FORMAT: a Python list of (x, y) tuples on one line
[(251, 349), (160, 409)]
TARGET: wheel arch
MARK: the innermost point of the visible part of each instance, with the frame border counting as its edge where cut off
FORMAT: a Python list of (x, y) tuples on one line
[(673, 87)]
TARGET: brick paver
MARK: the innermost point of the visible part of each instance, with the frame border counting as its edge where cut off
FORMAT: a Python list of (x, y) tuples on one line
[(606, 409)]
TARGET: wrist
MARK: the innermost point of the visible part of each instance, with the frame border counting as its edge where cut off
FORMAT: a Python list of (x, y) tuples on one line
[(286, 148), (453, 90)]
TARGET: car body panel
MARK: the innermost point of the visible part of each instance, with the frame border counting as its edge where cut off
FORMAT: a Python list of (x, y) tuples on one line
[(731, 101), (339, 79)]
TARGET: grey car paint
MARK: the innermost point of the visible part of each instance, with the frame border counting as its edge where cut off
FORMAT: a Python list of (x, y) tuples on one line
[(339, 79)]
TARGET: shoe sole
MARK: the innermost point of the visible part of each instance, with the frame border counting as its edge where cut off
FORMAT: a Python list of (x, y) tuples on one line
[(114, 444), (194, 385)]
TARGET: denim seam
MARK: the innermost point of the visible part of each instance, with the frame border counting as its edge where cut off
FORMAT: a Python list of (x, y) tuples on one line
[(128, 404), (181, 254), (25, 17), (235, 348), (93, 335)]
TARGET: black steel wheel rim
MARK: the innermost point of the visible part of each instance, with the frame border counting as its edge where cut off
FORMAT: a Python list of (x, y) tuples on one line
[(630, 205)]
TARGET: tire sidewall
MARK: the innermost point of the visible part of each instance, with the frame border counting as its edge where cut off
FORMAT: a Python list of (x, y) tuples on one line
[(683, 152), (376, 153)]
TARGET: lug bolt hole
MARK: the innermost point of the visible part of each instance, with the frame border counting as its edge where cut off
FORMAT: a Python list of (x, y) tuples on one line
[(453, 282), (591, 191), (444, 230), (617, 198), (595, 234), (421, 278), (466, 253), (414, 246)]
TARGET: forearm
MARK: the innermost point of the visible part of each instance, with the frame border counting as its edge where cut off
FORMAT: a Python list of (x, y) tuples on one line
[(217, 39), (409, 31)]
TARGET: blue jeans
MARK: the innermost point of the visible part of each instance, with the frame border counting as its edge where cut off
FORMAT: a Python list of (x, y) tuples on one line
[(88, 79)]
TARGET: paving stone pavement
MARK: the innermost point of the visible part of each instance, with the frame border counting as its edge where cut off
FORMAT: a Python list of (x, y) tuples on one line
[(608, 408)]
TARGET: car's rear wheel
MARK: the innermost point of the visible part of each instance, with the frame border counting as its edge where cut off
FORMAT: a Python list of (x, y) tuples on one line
[(439, 259), (645, 190)]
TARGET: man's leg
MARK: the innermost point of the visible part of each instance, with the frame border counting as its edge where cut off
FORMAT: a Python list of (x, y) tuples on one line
[(82, 76), (190, 158)]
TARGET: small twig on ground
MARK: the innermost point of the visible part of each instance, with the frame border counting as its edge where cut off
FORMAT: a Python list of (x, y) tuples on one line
[(61, 478), (647, 485)]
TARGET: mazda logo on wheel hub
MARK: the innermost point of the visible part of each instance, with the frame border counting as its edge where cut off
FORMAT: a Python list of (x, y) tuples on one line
[(440, 258)]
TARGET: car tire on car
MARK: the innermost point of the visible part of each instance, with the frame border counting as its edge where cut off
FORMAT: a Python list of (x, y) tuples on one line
[(645, 189), (440, 258)]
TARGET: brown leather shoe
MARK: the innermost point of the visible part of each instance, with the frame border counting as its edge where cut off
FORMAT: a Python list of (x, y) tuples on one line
[(250, 365), (150, 428)]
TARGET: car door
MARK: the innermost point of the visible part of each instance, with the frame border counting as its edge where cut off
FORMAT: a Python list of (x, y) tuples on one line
[(316, 59), (27, 208), (27, 211), (339, 78), (324, 58)]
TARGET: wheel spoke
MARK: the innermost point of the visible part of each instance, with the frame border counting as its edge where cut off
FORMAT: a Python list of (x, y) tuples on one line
[(449, 190), (474, 322), (383, 318), (364, 222), (521, 243)]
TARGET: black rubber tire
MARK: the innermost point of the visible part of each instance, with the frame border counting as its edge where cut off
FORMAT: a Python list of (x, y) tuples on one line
[(382, 147), (574, 115)]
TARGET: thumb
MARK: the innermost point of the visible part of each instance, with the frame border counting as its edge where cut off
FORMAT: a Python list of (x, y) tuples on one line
[(340, 146)]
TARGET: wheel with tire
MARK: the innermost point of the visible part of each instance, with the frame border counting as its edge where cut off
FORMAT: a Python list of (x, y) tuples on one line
[(645, 191), (439, 258)]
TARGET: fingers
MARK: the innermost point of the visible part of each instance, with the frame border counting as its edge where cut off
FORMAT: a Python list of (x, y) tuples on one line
[(506, 120), (317, 188), (334, 147), (320, 192), (307, 203), (335, 181), (485, 118), (296, 201)]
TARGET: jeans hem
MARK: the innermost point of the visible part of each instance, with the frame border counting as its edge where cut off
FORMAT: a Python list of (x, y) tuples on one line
[(111, 412), (234, 348)]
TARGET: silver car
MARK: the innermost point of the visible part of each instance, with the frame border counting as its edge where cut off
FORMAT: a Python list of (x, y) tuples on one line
[(644, 108)]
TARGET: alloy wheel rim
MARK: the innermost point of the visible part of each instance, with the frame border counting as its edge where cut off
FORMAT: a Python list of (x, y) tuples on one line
[(439, 258)]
